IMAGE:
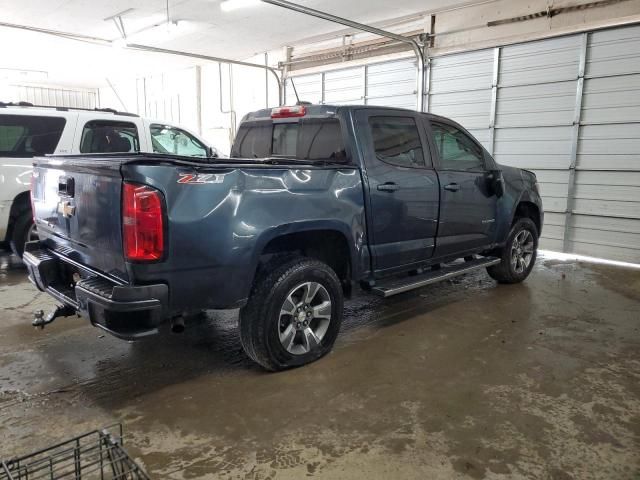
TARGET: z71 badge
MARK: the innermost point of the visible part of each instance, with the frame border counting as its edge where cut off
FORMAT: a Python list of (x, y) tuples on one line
[(199, 178)]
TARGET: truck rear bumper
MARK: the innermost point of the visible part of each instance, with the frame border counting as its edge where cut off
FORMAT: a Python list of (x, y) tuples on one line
[(125, 311)]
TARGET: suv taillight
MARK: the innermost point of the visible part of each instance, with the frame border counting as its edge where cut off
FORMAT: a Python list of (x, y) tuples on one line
[(142, 222)]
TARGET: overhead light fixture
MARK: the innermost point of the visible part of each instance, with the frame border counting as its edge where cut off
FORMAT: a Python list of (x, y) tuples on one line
[(229, 5), (154, 34)]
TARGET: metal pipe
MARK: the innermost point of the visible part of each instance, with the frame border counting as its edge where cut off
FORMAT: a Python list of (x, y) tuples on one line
[(231, 111), (266, 81), (199, 97), (417, 48), (177, 324), (115, 92)]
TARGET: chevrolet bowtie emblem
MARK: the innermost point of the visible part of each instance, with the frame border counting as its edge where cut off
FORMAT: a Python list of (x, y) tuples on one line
[(66, 209)]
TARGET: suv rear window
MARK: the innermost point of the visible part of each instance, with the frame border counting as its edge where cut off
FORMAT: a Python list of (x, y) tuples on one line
[(28, 136), (108, 136), (306, 139)]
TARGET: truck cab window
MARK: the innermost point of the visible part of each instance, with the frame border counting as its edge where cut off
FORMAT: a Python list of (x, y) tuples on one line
[(456, 149), (396, 140), (171, 140), (306, 139), (28, 135), (107, 136), (253, 140)]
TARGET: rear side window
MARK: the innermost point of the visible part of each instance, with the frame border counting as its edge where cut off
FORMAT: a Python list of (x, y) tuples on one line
[(28, 136), (456, 149), (396, 140), (306, 139), (107, 136)]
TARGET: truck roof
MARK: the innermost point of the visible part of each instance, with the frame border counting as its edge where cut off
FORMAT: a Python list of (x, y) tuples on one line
[(328, 110)]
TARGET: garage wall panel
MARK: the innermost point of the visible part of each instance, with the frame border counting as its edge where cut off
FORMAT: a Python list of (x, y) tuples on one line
[(611, 99), (392, 84), (344, 86), (545, 61), (609, 147), (309, 88), (606, 197), (55, 97), (469, 108), (536, 105), (464, 71), (613, 52), (460, 88)]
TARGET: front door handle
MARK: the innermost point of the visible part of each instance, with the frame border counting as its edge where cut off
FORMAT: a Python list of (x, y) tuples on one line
[(452, 187), (388, 187)]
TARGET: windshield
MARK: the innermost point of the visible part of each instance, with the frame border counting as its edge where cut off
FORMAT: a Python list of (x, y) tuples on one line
[(171, 140), (306, 139)]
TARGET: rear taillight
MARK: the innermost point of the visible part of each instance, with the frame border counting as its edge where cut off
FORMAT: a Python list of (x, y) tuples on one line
[(288, 112), (142, 222)]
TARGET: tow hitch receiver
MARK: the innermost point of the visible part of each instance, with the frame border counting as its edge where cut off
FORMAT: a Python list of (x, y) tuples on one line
[(39, 319)]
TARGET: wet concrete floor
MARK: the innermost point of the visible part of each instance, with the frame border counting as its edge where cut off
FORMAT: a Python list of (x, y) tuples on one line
[(465, 379)]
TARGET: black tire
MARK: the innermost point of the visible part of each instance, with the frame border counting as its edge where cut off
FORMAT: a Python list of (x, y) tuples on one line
[(21, 232), (505, 271), (260, 319)]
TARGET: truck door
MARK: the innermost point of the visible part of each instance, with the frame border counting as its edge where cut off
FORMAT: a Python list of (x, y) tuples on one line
[(467, 204), (402, 185)]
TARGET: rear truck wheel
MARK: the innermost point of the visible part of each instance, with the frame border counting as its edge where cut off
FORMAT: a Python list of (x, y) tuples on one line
[(518, 255), (293, 315), (24, 230)]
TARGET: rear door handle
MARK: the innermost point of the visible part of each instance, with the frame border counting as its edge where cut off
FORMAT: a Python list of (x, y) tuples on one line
[(452, 187), (388, 187)]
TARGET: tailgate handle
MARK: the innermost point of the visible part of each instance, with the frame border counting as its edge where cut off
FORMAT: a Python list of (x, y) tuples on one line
[(66, 186)]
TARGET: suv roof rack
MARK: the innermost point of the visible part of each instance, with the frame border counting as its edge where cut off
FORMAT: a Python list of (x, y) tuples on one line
[(66, 109)]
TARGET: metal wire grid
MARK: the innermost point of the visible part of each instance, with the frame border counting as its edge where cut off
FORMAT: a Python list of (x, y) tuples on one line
[(94, 455)]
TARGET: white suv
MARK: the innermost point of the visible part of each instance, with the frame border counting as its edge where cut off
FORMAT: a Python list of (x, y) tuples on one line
[(27, 131)]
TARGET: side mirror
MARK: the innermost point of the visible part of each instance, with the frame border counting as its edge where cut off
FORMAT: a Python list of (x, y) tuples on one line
[(211, 152), (496, 182)]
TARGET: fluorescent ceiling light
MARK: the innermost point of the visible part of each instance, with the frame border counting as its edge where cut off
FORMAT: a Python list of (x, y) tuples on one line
[(229, 5), (155, 34)]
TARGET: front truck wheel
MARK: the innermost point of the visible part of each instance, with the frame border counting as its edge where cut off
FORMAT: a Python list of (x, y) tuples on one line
[(518, 255), (293, 315), (24, 230)]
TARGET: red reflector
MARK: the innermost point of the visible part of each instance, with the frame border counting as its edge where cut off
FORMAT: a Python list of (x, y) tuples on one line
[(288, 112), (142, 222)]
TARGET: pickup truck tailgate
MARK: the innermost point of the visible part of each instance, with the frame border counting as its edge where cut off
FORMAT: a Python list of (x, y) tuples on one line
[(77, 210)]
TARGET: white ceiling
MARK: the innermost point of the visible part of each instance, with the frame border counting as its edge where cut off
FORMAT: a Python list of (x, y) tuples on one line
[(237, 34)]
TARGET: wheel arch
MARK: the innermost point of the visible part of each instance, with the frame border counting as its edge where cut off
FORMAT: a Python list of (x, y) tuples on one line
[(327, 241), (20, 204), (528, 209)]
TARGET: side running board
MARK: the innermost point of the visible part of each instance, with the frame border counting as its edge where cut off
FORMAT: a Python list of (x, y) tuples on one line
[(394, 286)]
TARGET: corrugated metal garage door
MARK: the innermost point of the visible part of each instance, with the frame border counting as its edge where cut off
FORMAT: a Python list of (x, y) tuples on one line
[(391, 84), (567, 108), (535, 111), (606, 198), (460, 88)]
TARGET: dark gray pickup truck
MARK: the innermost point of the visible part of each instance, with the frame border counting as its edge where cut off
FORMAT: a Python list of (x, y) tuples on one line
[(312, 200)]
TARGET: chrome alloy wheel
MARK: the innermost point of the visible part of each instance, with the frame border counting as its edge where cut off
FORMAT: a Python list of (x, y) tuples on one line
[(522, 251), (304, 318)]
